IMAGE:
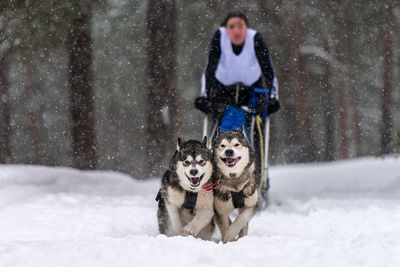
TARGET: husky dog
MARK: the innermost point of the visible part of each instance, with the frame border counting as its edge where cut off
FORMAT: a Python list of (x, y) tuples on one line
[(237, 186), (186, 198)]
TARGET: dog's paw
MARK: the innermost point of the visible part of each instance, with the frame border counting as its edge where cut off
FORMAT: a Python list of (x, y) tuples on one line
[(191, 229), (177, 229), (228, 237), (248, 190)]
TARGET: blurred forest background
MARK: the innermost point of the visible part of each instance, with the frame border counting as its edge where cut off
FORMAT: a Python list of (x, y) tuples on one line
[(110, 84)]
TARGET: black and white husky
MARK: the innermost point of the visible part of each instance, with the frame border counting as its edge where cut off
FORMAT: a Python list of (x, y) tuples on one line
[(186, 198), (237, 186)]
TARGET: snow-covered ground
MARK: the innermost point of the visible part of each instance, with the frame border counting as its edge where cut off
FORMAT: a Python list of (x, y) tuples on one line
[(338, 214)]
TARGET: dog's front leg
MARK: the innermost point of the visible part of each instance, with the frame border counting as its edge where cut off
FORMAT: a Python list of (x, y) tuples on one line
[(244, 230), (223, 207), (240, 222), (175, 220), (223, 222), (204, 212), (202, 218)]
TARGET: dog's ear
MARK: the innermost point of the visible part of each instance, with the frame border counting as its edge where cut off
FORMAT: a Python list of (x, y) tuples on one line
[(209, 145), (205, 141), (241, 130), (179, 144), (219, 130)]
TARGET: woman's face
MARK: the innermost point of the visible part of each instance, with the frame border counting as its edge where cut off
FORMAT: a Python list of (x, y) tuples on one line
[(236, 29)]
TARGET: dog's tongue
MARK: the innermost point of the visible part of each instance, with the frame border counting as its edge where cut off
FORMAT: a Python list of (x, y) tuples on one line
[(195, 180), (232, 160)]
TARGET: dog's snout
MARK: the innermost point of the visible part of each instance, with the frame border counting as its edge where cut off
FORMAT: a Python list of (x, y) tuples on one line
[(229, 152), (193, 172)]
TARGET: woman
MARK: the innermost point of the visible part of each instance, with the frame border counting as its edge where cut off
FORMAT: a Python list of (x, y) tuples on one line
[(238, 62)]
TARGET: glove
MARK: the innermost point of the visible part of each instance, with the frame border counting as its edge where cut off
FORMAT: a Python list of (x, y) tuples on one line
[(273, 105), (207, 106), (203, 104), (260, 107), (218, 109)]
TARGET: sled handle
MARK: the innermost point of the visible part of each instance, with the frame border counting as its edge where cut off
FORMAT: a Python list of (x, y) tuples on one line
[(205, 126)]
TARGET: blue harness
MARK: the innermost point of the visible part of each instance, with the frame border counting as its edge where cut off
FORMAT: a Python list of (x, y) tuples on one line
[(236, 116), (233, 118)]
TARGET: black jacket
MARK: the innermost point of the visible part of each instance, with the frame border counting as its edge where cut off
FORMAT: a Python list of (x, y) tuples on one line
[(218, 92)]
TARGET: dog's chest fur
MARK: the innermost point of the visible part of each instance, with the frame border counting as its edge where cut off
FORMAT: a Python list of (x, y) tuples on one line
[(176, 197), (244, 185)]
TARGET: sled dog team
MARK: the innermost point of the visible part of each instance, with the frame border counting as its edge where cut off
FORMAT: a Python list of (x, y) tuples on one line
[(205, 183)]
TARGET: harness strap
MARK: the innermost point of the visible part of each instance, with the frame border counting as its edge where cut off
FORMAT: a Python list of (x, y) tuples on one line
[(260, 135), (238, 199), (210, 187), (237, 94), (190, 200)]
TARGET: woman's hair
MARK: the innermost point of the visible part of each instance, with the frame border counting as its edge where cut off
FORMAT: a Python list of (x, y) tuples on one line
[(235, 14)]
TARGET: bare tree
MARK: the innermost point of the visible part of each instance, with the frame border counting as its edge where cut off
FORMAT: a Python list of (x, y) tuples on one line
[(80, 79), (353, 81), (163, 121), (328, 105), (341, 83), (35, 119), (386, 95), (5, 128)]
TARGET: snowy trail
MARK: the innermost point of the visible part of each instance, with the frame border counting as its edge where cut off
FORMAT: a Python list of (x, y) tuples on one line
[(338, 214)]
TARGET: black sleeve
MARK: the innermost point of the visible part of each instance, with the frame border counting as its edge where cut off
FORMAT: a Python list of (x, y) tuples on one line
[(212, 84), (264, 60)]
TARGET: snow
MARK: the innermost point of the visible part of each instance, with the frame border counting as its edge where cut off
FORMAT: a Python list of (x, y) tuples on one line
[(333, 214)]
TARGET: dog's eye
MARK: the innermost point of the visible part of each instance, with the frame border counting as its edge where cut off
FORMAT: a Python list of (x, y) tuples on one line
[(222, 146), (236, 145), (201, 162), (186, 163)]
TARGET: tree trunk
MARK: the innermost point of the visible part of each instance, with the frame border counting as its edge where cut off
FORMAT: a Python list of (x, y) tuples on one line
[(163, 118), (386, 96), (328, 111), (356, 113), (5, 127), (342, 106), (341, 92), (353, 81), (35, 121), (82, 106), (355, 97)]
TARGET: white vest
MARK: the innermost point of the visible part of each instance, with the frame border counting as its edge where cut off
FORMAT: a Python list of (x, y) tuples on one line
[(234, 68)]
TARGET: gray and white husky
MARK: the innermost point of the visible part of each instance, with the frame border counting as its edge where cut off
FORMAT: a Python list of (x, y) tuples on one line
[(237, 186), (186, 198)]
